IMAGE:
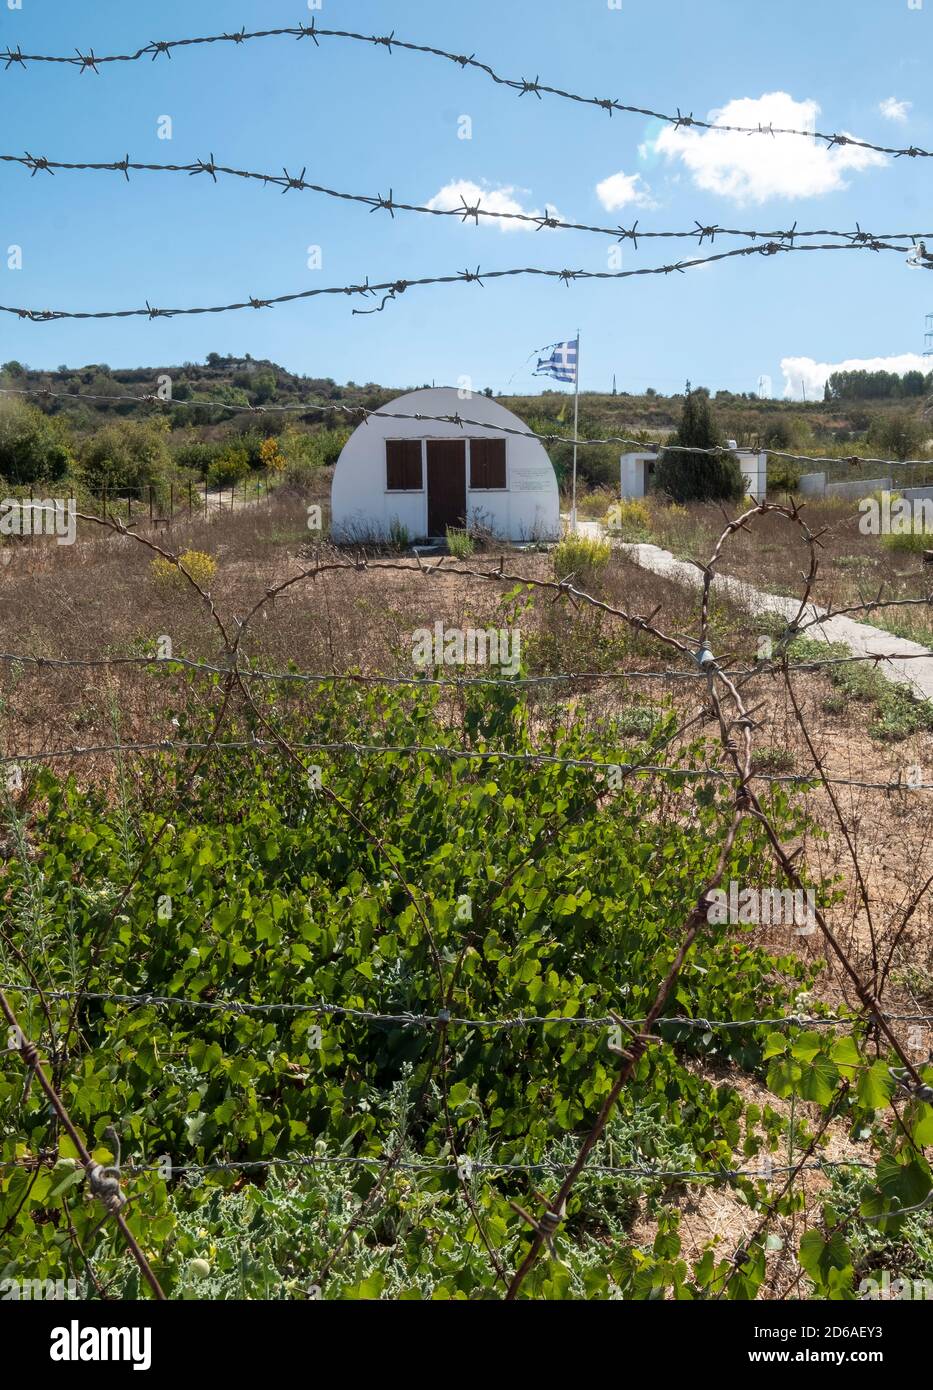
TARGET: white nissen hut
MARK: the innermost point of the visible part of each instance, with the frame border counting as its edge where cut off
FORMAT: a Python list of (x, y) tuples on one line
[(425, 476)]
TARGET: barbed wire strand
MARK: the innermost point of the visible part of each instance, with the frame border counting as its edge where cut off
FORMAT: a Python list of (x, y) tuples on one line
[(46, 665), (413, 1020), (14, 58), (700, 232), (220, 746), (481, 1166), (390, 290)]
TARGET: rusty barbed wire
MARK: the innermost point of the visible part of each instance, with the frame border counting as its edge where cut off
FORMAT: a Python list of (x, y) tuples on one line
[(391, 290), (14, 58), (466, 212)]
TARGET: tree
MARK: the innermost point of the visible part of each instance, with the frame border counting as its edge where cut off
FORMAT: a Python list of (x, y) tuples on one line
[(699, 477), (129, 455), (264, 387), (880, 385), (33, 448), (898, 434)]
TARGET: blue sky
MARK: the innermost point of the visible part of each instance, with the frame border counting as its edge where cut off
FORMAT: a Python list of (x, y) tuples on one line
[(364, 121)]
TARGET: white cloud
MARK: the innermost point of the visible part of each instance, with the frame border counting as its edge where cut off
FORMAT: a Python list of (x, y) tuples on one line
[(803, 372), (491, 200), (754, 168), (620, 190), (894, 110)]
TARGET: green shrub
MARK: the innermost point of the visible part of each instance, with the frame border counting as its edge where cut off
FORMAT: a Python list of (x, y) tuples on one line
[(897, 712), (629, 519), (783, 476), (399, 536), (197, 456), (200, 566), (230, 468), (33, 448), (278, 894), (581, 556), (597, 464), (898, 434), (460, 543), (913, 542), (131, 455)]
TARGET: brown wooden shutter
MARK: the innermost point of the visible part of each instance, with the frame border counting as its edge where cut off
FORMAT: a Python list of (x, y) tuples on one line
[(477, 463), (487, 463), (403, 465)]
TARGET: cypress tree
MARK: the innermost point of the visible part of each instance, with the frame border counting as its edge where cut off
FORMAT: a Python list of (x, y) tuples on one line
[(690, 477)]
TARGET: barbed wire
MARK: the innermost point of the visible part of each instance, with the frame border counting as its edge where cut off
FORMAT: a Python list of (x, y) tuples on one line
[(481, 1166), (761, 667), (700, 232), (364, 413), (43, 663), (166, 745), (91, 62), (446, 1019), (390, 290)]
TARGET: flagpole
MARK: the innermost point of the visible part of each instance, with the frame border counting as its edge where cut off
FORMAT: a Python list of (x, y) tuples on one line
[(576, 422)]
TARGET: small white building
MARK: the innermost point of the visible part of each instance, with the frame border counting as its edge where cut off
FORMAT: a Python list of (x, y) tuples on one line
[(636, 469), (634, 474), (754, 466), (424, 475)]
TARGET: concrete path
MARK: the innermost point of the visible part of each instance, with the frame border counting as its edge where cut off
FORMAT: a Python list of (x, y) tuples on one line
[(916, 671)]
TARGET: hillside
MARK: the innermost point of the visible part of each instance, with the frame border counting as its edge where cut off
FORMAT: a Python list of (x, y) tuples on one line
[(212, 407)]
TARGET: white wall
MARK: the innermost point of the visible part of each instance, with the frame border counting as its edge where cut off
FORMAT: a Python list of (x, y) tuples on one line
[(528, 508), (633, 474), (755, 472), (858, 488)]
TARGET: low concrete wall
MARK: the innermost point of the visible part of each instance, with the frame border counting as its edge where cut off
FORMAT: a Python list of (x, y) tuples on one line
[(858, 488), (812, 484)]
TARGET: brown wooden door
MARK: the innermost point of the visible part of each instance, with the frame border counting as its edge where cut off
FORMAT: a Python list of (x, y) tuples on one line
[(446, 485)]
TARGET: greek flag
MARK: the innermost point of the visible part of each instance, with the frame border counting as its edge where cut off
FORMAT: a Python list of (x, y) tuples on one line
[(562, 362)]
